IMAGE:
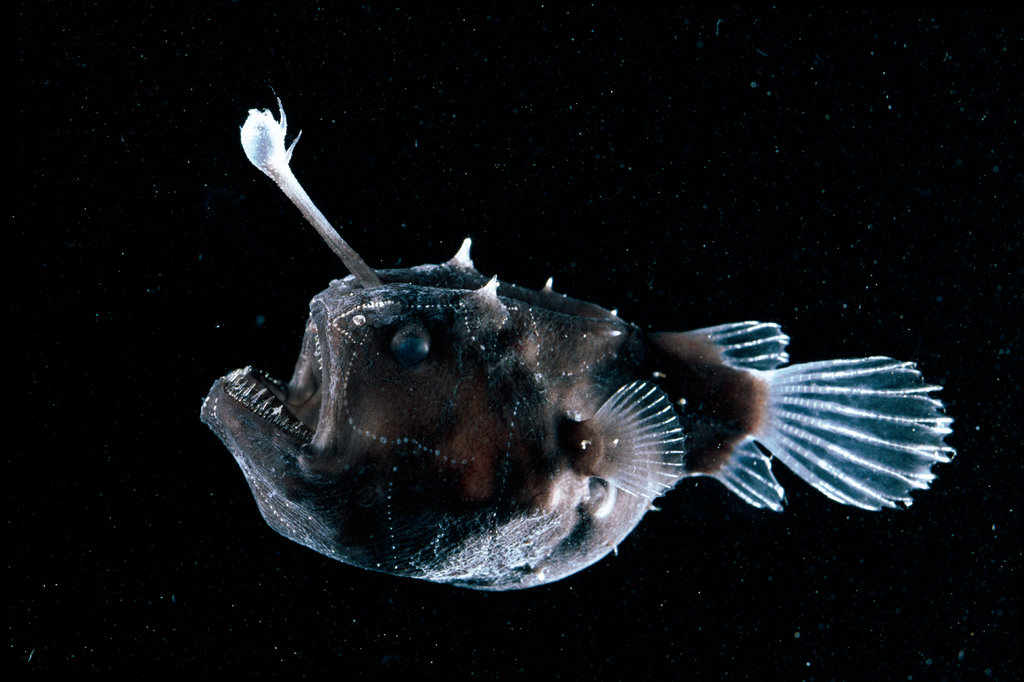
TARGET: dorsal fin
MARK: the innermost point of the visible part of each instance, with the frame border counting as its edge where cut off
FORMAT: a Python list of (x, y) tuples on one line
[(750, 345)]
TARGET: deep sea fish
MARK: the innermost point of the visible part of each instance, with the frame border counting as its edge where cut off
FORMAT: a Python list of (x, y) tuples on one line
[(446, 426)]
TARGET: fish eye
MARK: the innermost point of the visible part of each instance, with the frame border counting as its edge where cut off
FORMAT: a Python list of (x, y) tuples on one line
[(411, 344)]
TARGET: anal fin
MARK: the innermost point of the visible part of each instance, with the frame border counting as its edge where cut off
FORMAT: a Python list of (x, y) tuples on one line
[(748, 475)]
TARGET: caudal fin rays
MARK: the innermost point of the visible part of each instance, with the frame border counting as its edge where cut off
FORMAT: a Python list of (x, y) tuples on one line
[(865, 432)]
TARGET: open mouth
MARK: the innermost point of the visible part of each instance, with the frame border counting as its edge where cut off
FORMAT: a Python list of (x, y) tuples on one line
[(265, 397)]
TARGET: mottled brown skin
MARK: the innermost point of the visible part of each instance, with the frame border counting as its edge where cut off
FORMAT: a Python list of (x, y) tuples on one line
[(474, 465), (724, 404)]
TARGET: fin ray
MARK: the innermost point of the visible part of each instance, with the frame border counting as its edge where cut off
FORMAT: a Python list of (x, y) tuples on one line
[(754, 345), (645, 441), (748, 474), (861, 431)]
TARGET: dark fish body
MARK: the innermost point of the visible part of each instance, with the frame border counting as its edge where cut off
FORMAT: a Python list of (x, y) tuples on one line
[(445, 426)]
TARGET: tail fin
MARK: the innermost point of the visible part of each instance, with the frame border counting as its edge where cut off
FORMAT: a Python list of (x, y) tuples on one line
[(864, 432)]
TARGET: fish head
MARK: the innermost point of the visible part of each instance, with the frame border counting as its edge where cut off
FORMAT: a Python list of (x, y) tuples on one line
[(390, 448)]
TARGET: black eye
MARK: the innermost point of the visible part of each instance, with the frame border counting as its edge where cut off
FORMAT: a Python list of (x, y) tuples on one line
[(411, 344)]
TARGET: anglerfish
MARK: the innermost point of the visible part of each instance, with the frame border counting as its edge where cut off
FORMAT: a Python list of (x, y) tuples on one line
[(443, 425)]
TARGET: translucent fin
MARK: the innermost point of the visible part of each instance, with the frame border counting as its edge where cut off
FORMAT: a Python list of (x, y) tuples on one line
[(748, 474), (864, 432), (752, 345), (641, 439)]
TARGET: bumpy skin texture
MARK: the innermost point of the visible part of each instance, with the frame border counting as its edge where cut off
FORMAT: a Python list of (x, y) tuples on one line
[(438, 423)]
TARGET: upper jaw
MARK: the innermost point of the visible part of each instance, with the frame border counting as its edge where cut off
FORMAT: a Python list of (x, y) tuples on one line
[(246, 405), (266, 398), (251, 398)]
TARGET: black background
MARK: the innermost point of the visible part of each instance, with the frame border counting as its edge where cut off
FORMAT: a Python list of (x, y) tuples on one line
[(855, 176)]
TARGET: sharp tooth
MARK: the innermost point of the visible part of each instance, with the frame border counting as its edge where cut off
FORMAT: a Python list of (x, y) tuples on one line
[(249, 388)]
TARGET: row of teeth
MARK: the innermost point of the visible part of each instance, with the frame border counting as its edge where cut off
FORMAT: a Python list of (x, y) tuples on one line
[(316, 351), (259, 400)]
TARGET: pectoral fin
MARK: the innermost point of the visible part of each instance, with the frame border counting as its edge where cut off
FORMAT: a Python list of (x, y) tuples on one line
[(633, 441)]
